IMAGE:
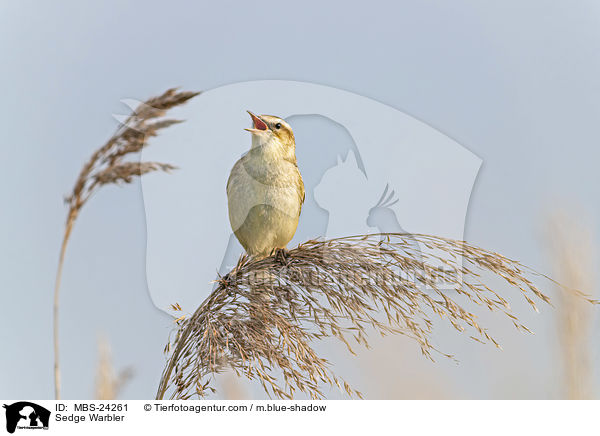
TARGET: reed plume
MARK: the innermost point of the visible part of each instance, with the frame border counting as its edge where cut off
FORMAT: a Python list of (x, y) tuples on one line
[(107, 166), (263, 316)]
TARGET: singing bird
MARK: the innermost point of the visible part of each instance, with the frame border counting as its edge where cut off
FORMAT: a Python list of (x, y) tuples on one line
[(265, 191)]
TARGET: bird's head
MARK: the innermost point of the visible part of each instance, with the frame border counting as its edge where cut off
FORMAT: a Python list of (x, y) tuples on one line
[(271, 130)]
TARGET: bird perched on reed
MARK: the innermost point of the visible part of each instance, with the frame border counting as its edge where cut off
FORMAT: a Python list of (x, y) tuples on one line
[(265, 191)]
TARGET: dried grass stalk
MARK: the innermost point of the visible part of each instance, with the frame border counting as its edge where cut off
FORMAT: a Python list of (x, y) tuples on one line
[(263, 316), (107, 165)]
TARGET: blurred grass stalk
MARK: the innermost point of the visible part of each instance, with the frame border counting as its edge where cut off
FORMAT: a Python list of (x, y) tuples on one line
[(573, 258), (107, 166), (109, 383)]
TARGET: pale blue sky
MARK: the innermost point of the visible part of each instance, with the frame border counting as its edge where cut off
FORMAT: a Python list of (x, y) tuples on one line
[(514, 82)]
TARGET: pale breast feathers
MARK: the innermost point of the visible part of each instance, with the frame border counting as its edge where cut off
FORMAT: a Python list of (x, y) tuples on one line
[(252, 185)]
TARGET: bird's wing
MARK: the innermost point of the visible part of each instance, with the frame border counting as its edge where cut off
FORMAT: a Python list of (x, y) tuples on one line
[(301, 192), (232, 175), (237, 177), (238, 186)]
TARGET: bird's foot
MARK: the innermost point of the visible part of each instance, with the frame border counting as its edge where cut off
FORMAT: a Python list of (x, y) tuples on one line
[(282, 255)]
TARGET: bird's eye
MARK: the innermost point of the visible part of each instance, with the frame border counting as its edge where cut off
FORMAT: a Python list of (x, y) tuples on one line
[(278, 126)]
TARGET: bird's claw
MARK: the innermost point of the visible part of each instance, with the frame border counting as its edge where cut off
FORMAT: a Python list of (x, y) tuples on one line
[(282, 255)]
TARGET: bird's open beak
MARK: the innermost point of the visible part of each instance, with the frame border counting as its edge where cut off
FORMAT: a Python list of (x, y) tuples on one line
[(259, 126)]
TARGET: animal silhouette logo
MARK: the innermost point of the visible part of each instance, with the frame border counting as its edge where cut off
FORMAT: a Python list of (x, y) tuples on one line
[(26, 415), (188, 231), (383, 217), (346, 193)]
